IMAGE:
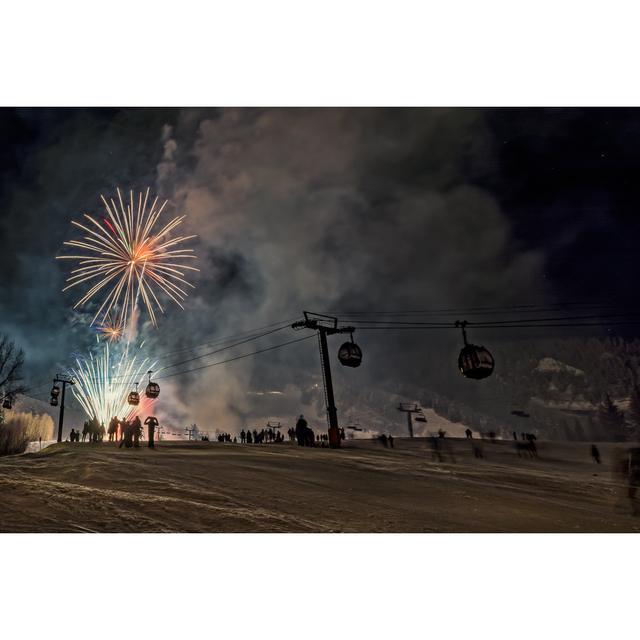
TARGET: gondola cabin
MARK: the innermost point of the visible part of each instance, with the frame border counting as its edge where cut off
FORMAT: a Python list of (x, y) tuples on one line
[(6, 403), (152, 390), (133, 398), (475, 362), (350, 354)]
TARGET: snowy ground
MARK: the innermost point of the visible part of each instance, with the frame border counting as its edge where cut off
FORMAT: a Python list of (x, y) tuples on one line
[(363, 487), (35, 446)]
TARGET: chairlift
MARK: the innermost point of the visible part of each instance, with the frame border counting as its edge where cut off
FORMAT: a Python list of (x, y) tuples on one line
[(153, 388), (54, 401), (420, 418), (350, 354), (134, 397), (55, 391), (475, 362)]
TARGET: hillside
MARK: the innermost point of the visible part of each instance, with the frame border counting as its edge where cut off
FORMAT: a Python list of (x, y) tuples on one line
[(363, 487), (560, 383)]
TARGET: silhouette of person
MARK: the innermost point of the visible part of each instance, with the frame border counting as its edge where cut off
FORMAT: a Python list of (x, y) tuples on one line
[(94, 429), (468, 433), (633, 475), (595, 454), (243, 436), (127, 438), (72, 435), (301, 427), (390, 440), (136, 429), (113, 429), (152, 423), (249, 437), (434, 444)]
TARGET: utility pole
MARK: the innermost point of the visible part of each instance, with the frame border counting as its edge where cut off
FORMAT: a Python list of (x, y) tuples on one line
[(326, 326), (65, 381), (409, 409)]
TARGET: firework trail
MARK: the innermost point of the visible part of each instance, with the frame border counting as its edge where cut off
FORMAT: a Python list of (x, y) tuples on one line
[(103, 382), (124, 257)]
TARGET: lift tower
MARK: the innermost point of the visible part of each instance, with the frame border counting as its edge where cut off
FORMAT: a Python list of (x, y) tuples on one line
[(325, 326), (409, 409), (65, 381)]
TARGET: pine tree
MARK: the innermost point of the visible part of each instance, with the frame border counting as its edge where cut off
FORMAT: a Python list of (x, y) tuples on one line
[(634, 414), (611, 419)]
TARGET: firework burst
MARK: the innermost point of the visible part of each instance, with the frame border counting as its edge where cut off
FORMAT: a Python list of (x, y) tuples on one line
[(110, 330), (123, 256), (103, 382)]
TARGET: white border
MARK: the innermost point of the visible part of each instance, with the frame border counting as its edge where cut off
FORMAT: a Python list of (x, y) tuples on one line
[(319, 586), (331, 53), (338, 52)]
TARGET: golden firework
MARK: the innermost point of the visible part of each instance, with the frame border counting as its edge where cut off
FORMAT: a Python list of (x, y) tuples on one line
[(127, 259)]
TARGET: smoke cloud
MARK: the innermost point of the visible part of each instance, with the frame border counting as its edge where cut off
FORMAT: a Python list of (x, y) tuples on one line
[(330, 210)]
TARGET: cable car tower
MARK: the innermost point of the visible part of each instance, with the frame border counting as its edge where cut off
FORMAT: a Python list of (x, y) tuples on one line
[(349, 354), (410, 409), (55, 392)]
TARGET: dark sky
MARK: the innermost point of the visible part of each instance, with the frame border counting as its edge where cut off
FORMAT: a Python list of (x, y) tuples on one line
[(347, 209)]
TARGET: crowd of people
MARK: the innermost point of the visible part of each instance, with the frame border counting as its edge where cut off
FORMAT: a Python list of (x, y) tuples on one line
[(305, 436), (127, 433), (269, 434), (301, 433)]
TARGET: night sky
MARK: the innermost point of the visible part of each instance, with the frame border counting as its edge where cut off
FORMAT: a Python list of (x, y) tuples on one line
[(326, 209)]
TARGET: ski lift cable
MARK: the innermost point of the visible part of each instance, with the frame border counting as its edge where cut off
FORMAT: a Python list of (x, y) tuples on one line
[(235, 344), (502, 326), (401, 325), (245, 355), (556, 319), (496, 322), (501, 309), (115, 379), (242, 334)]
